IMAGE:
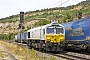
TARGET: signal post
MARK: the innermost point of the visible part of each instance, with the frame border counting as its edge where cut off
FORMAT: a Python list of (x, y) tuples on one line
[(21, 25)]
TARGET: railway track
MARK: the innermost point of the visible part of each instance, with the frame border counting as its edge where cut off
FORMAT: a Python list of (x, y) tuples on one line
[(66, 55), (71, 56)]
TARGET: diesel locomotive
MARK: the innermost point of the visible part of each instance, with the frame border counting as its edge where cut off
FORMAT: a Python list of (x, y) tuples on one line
[(50, 37)]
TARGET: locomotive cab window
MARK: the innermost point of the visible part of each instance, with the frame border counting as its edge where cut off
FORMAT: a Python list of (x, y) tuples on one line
[(28, 34)]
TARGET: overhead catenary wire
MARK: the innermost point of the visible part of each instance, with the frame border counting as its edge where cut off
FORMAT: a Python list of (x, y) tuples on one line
[(61, 3), (56, 3), (64, 2)]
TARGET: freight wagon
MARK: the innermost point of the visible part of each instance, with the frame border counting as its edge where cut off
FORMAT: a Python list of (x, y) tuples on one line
[(77, 34), (21, 37), (24, 37), (18, 37)]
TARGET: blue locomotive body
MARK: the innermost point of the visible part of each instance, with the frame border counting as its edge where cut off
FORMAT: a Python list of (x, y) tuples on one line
[(77, 33)]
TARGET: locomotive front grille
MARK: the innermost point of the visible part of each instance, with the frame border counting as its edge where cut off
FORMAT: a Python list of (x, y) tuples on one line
[(54, 38)]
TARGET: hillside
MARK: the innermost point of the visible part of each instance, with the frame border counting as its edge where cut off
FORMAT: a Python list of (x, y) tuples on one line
[(10, 24)]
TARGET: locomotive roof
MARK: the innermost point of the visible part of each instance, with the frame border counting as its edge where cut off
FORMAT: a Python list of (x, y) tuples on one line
[(53, 23)]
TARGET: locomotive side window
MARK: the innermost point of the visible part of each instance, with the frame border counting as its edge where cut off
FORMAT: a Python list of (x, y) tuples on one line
[(43, 31), (28, 34)]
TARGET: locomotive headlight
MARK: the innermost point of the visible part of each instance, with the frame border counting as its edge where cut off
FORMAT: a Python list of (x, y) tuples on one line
[(62, 37), (87, 38), (48, 38)]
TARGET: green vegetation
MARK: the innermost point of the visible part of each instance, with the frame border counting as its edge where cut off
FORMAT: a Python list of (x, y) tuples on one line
[(41, 22), (10, 36)]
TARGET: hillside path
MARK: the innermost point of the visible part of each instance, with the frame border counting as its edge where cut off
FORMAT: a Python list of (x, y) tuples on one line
[(6, 55)]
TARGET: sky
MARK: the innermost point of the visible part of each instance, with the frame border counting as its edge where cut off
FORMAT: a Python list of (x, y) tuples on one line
[(13, 7)]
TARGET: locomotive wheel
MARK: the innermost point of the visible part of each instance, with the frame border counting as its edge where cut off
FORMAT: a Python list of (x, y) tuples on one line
[(29, 44), (40, 47)]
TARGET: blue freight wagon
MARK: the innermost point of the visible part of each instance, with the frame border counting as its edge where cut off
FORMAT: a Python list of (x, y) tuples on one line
[(24, 37), (19, 37), (77, 34)]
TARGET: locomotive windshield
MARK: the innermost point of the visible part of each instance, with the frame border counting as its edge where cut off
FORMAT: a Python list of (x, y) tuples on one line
[(59, 30), (55, 30), (50, 30)]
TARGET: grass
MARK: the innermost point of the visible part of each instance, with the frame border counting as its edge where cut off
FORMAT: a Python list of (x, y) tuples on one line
[(3, 54), (23, 53)]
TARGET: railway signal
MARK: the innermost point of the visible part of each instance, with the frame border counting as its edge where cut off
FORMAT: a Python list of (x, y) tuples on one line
[(21, 24), (21, 20), (21, 17)]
